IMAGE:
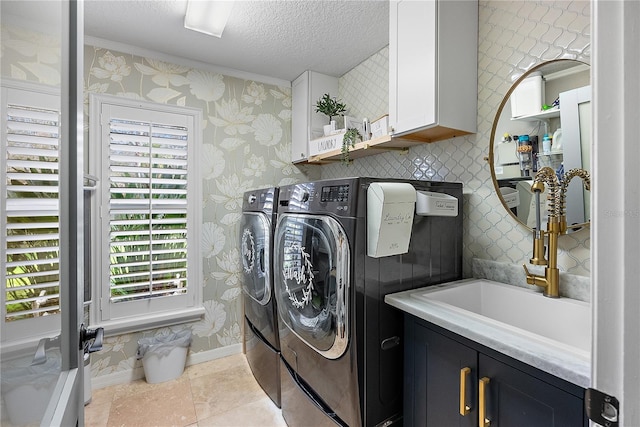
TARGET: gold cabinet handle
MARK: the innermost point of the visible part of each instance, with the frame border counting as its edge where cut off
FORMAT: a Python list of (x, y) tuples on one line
[(483, 421), (464, 408)]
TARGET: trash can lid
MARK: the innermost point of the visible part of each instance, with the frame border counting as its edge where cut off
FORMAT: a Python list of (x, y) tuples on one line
[(163, 344)]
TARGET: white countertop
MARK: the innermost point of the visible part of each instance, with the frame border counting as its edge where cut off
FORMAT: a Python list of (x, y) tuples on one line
[(566, 362)]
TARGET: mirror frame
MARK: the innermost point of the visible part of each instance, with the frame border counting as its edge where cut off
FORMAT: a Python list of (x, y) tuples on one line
[(491, 158)]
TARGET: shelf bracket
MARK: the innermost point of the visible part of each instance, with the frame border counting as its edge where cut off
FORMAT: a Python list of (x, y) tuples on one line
[(403, 150)]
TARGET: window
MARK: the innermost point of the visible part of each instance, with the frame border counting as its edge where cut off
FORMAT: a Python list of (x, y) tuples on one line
[(29, 210), (146, 159)]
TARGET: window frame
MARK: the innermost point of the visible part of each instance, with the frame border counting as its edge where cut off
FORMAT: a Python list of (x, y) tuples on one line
[(129, 316), (22, 332)]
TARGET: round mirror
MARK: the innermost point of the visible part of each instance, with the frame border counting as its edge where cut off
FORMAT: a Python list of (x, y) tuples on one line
[(544, 120)]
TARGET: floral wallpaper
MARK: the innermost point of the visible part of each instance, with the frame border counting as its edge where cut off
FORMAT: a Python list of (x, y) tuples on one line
[(30, 56), (246, 145)]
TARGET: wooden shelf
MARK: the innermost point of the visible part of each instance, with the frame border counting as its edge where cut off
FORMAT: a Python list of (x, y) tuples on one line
[(367, 148)]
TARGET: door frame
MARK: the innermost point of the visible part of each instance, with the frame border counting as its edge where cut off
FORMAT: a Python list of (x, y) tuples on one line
[(66, 406), (615, 231)]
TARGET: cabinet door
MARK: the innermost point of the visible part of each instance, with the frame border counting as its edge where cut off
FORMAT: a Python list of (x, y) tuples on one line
[(300, 106), (306, 124), (575, 116), (432, 389), (412, 65), (514, 398)]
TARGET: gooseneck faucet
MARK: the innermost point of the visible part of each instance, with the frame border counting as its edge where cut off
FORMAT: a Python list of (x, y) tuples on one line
[(556, 225)]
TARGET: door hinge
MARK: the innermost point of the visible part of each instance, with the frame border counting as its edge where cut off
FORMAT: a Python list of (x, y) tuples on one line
[(601, 408)]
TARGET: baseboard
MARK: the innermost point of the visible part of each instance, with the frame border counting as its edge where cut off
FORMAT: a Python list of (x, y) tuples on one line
[(124, 377), (216, 353)]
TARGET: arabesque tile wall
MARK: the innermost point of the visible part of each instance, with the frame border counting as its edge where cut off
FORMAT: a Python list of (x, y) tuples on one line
[(513, 37)]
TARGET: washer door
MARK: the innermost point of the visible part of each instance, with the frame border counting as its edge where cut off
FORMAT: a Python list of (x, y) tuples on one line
[(311, 280), (255, 241)]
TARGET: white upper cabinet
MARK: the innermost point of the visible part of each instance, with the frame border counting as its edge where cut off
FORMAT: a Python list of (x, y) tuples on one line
[(433, 68), (305, 122)]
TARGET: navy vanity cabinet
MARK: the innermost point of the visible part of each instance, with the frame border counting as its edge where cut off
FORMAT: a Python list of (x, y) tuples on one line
[(432, 365), (515, 394)]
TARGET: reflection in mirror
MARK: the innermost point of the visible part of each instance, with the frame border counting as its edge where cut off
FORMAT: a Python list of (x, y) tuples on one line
[(544, 120)]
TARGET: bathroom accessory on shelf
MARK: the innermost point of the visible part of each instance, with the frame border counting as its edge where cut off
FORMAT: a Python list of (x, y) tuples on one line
[(511, 197), (556, 146), (429, 203)]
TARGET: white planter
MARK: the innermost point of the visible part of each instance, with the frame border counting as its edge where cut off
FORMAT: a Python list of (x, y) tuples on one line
[(330, 128)]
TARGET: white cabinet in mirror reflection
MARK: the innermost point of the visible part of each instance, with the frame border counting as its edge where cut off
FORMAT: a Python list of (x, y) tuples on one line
[(575, 116)]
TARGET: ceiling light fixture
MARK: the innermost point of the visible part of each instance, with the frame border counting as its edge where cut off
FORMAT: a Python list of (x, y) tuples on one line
[(208, 16)]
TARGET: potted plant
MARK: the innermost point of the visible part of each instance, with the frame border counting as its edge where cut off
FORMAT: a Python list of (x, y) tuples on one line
[(330, 107), (349, 141)]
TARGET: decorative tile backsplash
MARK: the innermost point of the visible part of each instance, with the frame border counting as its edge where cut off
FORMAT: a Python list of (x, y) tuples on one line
[(571, 285), (513, 37), (365, 89)]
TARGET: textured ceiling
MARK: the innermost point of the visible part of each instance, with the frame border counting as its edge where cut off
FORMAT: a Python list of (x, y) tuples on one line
[(279, 39)]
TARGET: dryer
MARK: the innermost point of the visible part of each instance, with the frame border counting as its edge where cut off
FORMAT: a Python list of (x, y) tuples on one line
[(261, 341), (341, 345)]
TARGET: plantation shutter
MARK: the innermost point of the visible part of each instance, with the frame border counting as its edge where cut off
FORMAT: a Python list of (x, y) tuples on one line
[(147, 209), (30, 143)]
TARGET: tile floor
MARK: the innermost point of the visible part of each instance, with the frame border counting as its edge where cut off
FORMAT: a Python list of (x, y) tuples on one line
[(220, 392)]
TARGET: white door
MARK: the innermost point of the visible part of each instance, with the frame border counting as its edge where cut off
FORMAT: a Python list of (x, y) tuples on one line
[(66, 406), (42, 365), (616, 205)]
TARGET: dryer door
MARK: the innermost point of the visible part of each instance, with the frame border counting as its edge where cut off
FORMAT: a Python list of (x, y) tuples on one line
[(255, 241), (311, 280)]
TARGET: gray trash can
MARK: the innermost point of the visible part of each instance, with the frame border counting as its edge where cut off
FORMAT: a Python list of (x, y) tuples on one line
[(164, 356)]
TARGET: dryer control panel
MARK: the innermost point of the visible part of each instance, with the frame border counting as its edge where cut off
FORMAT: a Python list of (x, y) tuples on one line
[(330, 196), (335, 193)]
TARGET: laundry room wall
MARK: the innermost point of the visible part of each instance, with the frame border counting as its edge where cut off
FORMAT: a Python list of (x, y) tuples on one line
[(246, 145), (513, 37)]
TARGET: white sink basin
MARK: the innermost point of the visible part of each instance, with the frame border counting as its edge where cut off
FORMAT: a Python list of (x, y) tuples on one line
[(565, 321)]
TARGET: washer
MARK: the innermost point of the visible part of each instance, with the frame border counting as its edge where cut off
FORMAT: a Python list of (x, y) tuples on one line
[(341, 345), (262, 346)]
